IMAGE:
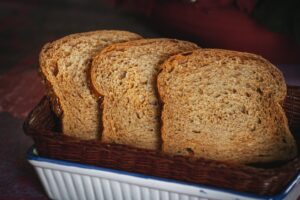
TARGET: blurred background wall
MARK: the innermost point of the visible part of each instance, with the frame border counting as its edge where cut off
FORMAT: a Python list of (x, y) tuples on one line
[(268, 28)]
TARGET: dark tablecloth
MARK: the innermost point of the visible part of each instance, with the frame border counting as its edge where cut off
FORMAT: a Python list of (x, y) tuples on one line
[(24, 28)]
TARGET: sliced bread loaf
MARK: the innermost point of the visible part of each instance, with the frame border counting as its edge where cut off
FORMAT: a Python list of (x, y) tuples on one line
[(64, 64), (224, 105), (125, 74)]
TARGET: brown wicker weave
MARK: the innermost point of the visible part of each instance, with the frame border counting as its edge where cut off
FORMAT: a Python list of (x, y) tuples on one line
[(292, 108), (42, 126)]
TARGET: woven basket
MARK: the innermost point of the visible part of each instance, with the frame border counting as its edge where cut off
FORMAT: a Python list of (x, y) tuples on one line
[(43, 126)]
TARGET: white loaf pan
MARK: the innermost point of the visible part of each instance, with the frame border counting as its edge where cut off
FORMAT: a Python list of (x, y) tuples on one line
[(73, 181)]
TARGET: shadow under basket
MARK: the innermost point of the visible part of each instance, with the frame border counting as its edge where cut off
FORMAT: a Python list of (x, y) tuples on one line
[(43, 126)]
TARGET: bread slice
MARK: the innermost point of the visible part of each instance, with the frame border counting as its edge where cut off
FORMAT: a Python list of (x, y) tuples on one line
[(64, 64), (224, 105), (125, 74)]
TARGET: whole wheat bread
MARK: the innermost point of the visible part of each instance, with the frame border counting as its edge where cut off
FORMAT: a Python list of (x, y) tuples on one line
[(224, 105), (64, 64), (125, 74)]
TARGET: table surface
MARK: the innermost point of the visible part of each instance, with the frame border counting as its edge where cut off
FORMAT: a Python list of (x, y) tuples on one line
[(25, 28)]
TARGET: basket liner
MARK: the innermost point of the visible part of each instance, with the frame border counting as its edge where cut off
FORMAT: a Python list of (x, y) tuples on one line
[(43, 126)]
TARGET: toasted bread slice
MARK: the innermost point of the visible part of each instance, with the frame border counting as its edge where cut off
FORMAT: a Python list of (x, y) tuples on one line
[(224, 105), (64, 64), (125, 74)]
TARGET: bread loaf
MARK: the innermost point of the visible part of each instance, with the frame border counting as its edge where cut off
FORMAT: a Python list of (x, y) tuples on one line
[(224, 105), (125, 75), (64, 64)]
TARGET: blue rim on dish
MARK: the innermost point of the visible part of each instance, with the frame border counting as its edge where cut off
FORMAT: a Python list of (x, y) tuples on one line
[(32, 156)]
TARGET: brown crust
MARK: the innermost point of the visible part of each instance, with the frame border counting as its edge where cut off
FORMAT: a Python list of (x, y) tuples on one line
[(97, 96), (55, 103)]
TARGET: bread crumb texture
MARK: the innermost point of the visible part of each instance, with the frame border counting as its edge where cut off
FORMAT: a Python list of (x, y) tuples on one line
[(125, 74), (224, 105), (64, 64)]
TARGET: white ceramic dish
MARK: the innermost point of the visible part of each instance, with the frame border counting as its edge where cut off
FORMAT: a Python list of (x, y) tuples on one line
[(73, 181)]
